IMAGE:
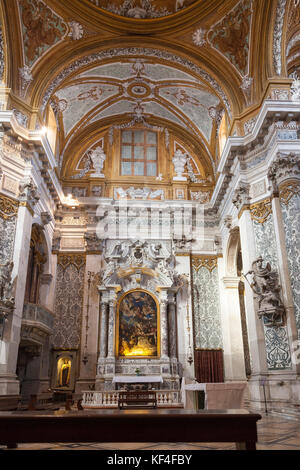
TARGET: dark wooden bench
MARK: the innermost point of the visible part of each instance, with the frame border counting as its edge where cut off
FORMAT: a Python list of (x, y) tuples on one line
[(103, 426), (137, 399)]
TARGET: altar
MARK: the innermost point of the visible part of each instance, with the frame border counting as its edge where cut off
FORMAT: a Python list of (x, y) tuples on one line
[(216, 395), (138, 317), (129, 379), (137, 382)]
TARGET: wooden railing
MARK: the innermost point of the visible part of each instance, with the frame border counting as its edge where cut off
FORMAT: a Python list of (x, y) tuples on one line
[(109, 399)]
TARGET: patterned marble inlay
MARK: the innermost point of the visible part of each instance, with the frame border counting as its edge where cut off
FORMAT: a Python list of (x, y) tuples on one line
[(276, 339), (8, 218), (206, 309), (290, 207), (68, 301)]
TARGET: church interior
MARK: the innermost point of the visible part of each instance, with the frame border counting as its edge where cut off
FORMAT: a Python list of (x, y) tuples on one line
[(149, 205)]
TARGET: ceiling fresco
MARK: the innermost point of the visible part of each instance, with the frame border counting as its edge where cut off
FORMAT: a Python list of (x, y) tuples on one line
[(181, 65), (41, 27), (117, 88), (142, 9)]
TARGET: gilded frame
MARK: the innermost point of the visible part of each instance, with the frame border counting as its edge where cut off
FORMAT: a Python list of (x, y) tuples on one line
[(157, 356)]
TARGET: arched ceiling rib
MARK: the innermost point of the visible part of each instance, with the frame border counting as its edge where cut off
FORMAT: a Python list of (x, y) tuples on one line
[(186, 65)]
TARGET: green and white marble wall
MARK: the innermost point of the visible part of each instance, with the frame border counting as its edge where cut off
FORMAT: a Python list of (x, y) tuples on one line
[(8, 219), (68, 301), (290, 208), (206, 306), (276, 338)]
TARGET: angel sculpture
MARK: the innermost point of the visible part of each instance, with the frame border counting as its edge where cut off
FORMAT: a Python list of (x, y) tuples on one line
[(265, 285)]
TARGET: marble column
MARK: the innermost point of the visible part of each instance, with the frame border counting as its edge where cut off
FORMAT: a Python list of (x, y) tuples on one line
[(103, 330), (255, 326), (172, 328), (164, 330), (257, 346), (111, 330), (9, 385), (235, 352)]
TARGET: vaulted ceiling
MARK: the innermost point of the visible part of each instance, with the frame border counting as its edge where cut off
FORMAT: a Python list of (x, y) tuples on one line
[(180, 64)]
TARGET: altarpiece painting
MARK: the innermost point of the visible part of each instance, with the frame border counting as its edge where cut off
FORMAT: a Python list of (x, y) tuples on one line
[(137, 325)]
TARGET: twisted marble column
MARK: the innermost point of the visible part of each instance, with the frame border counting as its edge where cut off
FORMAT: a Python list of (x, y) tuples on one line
[(172, 329), (103, 330), (164, 333), (111, 329)]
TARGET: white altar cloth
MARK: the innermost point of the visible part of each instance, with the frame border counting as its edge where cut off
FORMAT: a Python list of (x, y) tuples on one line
[(221, 395), (129, 379)]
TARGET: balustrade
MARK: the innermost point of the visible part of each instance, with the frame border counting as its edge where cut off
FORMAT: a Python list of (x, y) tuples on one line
[(109, 399)]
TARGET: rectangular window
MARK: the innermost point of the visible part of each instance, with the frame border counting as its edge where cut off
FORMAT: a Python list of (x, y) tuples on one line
[(138, 153)]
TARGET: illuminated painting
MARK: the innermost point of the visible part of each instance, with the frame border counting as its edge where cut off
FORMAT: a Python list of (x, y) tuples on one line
[(137, 325)]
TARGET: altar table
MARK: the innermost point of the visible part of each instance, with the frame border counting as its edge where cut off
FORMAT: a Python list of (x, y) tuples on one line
[(221, 395), (128, 379), (103, 426)]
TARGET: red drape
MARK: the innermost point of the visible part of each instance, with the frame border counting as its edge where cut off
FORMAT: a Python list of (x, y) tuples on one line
[(209, 365)]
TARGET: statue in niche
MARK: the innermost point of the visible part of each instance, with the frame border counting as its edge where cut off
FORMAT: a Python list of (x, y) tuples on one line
[(64, 372), (267, 293)]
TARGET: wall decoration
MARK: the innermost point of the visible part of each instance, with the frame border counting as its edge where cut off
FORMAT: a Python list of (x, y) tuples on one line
[(2, 55), (277, 345), (231, 35), (75, 101), (138, 325), (68, 301), (8, 219), (290, 207), (142, 9), (206, 308), (146, 53), (42, 28), (277, 38), (260, 211)]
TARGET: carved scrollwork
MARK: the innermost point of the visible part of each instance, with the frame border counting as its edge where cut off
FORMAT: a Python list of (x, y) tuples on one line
[(8, 207), (260, 211), (288, 190), (208, 262), (64, 260)]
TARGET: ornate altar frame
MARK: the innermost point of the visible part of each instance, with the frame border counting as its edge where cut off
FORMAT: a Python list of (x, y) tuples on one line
[(157, 356)]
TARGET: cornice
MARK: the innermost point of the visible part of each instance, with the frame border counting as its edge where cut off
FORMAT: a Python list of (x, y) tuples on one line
[(41, 148), (236, 147)]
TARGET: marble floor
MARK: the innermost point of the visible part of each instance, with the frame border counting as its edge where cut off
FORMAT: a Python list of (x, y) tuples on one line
[(275, 432)]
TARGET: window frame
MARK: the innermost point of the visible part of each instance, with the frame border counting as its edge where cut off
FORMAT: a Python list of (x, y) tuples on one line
[(132, 145)]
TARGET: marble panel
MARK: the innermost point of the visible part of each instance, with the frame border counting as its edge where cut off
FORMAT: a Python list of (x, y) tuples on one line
[(276, 338), (291, 221), (206, 308), (68, 304)]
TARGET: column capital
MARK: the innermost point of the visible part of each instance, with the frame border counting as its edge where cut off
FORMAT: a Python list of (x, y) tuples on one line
[(241, 197), (231, 282), (28, 194), (286, 166)]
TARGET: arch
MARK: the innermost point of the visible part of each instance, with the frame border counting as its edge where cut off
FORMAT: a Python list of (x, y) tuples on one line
[(233, 247)]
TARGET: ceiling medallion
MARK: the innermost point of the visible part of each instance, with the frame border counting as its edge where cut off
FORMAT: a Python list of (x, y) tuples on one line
[(138, 90), (143, 9)]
